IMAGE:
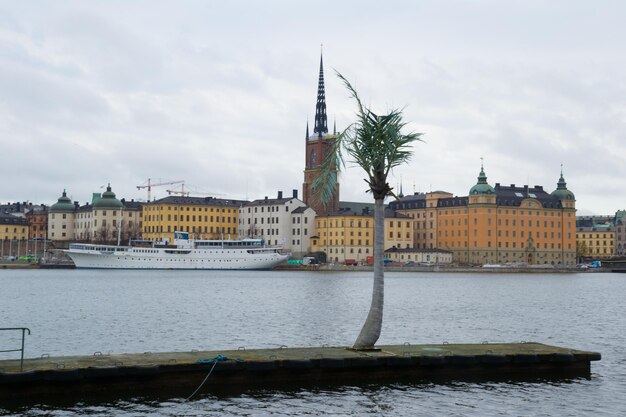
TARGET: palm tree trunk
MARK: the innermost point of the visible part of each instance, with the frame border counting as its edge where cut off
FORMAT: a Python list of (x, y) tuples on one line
[(371, 328)]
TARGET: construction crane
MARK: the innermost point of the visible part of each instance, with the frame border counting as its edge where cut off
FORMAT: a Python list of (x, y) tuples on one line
[(185, 193), (149, 184)]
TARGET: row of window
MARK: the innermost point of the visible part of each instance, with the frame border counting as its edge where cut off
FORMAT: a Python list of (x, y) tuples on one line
[(340, 242), (270, 209), (188, 218), (431, 213), (176, 208), (330, 224), (192, 229), (341, 233)]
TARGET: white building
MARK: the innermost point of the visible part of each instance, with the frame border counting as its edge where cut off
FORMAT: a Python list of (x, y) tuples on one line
[(61, 219), (287, 222), (102, 221)]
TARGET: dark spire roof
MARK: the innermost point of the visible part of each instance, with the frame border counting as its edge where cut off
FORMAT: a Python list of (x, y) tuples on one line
[(321, 125), (561, 185), (335, 127), (307, 129)]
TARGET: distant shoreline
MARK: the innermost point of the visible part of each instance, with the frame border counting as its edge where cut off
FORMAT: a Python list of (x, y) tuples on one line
[(361, 268), (464, 269)]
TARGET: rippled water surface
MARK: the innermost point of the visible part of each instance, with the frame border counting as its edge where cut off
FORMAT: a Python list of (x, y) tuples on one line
[(82, 312)]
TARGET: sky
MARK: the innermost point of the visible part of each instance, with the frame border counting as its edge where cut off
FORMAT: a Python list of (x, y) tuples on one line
[(218, 94)]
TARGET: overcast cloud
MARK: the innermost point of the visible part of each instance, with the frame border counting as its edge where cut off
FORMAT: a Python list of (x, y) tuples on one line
[(218, 94)]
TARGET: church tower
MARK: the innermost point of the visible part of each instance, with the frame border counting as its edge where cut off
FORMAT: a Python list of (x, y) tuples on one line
[(317, 146)]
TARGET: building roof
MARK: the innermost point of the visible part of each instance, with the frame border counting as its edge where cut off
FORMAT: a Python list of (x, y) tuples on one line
[(268, 202), (197, 201), (63, 205), (414, 201), (132, 204), (13, 220), (356, 206), (22, 207), (594, 221), (561, 192), (367, 212), (505, 196), (596, 228), (108, 200), (416, 250), (513, 196), (300, 210), (481, 187), (321, 126)]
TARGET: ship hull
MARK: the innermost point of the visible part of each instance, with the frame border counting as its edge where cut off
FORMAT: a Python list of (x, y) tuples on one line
[(196, 259)]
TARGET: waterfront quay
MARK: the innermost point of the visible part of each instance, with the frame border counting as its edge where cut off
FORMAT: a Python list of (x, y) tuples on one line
[(233, 369)]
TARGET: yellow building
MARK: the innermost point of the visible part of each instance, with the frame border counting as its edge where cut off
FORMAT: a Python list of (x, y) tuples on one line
[(202, 217), (349, 235), (13, 227), (597, 240), (501, 224)]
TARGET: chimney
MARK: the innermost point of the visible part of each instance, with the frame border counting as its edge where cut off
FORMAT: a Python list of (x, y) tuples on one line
[(266, 198), (295, 194), (280, 195)]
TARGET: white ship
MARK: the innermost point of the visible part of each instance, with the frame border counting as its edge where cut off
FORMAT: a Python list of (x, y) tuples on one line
[(185, 253)]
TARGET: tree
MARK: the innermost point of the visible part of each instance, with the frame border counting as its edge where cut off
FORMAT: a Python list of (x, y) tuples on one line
[(581, 250), (376, 144)]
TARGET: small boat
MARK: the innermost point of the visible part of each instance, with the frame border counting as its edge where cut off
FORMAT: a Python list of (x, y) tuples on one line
[(184, 253)]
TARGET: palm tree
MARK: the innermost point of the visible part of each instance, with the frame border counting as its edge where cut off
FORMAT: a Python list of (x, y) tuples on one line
[(376, 144)]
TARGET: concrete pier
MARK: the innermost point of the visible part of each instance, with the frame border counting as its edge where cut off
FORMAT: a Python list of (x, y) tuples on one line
[(100, 373)]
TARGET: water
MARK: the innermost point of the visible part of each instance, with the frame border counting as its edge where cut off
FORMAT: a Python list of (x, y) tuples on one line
[(82, 312)]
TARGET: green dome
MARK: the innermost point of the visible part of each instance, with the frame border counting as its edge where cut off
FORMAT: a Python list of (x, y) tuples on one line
[(63, 205), (108, 200), (482, 187), (561, 192)]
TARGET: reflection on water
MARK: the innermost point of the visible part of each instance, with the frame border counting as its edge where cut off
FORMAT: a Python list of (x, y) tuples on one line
[(81, 312)]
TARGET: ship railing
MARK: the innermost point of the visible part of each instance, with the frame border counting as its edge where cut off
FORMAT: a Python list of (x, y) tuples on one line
[(21, 349)]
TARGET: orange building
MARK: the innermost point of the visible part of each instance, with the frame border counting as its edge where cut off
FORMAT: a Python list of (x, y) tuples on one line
[(496, 225), (37, 219)]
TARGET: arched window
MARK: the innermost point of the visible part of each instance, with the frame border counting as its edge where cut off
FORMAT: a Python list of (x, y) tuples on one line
[(313, 159)]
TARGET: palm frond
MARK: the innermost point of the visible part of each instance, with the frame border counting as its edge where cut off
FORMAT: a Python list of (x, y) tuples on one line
[(373, 142)]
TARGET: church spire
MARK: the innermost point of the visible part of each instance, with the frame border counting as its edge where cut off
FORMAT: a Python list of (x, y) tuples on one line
[(307, 130), (321, 126)]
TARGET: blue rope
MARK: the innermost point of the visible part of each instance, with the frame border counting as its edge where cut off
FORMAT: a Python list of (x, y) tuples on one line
[(218, 358)]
